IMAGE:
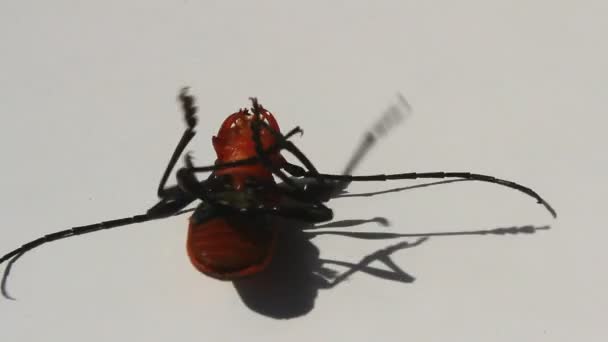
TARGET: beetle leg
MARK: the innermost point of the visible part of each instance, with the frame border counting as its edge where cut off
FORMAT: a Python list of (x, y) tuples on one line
[(189, 184), (303, 192), (293, 149), (293, 207), (189, 111), (171, 205), (256, 126), (203, 213), (285, 203), (310, 213), (247, 161), (323, 191)]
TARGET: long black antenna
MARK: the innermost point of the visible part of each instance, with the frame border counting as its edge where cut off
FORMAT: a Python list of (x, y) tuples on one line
[(76, 231), (128, 220), (17, 253), (390, 118), (438, 175)]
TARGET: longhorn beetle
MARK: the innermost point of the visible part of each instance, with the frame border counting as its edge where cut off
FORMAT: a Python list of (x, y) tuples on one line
[(232, 233)]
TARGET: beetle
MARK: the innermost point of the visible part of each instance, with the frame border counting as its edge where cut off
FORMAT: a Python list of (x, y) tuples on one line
[(233, 232)]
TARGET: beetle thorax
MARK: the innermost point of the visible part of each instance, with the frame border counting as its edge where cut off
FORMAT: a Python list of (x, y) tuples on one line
[(234, 141)]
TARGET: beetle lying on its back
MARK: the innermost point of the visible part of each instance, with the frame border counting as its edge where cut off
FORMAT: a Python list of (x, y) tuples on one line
[(232, 232), (229, 244)]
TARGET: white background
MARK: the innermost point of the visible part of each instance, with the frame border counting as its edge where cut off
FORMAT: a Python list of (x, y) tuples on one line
[(515, 89)]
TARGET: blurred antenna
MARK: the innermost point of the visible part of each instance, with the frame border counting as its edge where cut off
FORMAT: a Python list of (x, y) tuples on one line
[(391, 117)]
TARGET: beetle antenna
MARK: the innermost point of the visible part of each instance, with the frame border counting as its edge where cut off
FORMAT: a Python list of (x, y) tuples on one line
[(438, 175), (77, 231), (17, 253), (390, 118), (5, 275)]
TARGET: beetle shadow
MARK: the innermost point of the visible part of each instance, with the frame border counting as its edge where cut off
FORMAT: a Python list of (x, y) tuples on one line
[(288, 288)]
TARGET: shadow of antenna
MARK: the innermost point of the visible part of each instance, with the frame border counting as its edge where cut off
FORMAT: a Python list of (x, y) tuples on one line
[(513, 230)]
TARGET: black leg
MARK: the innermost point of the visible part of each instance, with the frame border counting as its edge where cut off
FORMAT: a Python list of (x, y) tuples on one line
[(311, 213), (189, 184), (284, 143), (247, 161), (291, 147), (189, 110), (256, 126), (323, 191), (292, 206)]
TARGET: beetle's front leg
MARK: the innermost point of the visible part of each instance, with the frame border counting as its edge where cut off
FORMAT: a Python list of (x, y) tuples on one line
[(189, 111)]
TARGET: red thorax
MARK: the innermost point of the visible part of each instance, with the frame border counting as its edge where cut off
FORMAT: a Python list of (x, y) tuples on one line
[(234, 141)]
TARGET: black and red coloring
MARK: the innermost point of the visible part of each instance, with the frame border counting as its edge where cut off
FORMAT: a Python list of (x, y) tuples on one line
[(232, 233)]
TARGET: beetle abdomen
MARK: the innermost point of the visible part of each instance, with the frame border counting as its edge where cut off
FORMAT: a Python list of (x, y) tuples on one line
[(231, 247)]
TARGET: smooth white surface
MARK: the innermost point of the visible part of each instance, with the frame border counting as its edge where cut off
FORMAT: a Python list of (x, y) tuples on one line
[(515, 89)]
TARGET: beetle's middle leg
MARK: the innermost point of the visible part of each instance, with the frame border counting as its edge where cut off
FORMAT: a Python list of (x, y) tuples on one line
[(323, 191), (301, 211)]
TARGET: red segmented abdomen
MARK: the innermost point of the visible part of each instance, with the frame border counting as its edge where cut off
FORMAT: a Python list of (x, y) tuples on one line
[(231, 247)]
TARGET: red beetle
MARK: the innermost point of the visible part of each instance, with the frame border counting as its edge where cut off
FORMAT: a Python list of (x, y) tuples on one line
[(229, 246), (233, 231)]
